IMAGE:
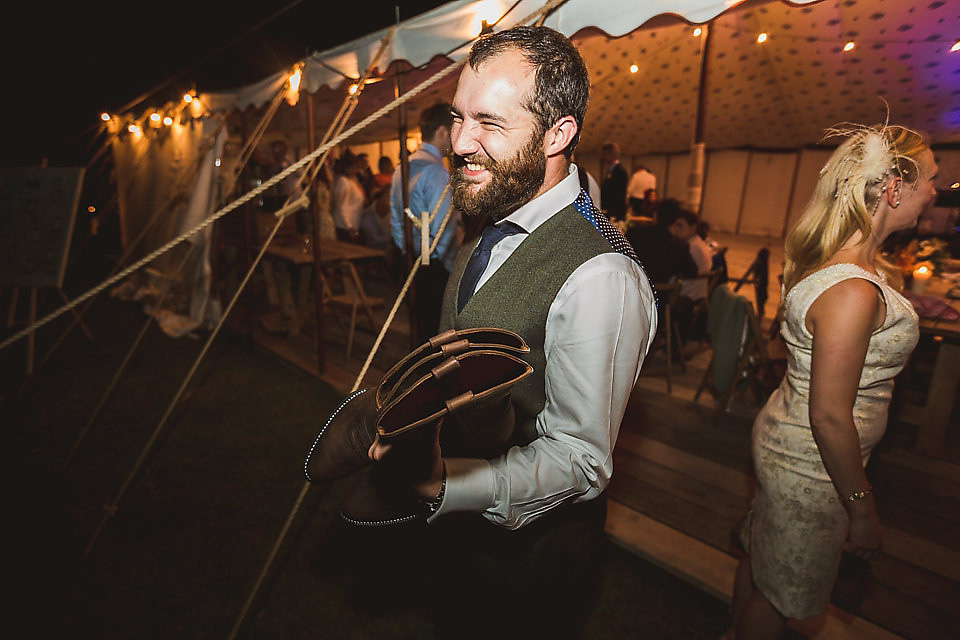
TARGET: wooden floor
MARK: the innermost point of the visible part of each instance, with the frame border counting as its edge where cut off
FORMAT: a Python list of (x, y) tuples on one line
[(683, 480)]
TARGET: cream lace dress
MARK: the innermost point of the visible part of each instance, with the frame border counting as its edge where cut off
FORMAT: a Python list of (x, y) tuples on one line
[(797, 525)]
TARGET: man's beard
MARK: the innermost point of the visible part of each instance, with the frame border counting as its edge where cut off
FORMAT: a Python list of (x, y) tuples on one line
[(513, 182)]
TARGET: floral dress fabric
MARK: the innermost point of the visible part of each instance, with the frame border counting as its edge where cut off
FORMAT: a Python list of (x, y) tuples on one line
[(797, 525)]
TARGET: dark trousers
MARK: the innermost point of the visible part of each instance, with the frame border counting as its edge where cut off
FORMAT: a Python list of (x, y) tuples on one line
[(478, 580), (539, 581)]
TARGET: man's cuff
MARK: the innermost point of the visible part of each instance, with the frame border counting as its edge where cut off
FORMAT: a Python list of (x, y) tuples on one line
[(470, 487)]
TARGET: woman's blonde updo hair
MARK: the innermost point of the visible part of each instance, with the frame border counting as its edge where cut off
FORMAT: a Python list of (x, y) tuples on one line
[(848, 192)]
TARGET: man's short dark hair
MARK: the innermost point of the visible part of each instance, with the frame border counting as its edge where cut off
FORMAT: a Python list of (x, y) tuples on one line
[(434, 117), (561, 80), (687, 216), (668, 210)]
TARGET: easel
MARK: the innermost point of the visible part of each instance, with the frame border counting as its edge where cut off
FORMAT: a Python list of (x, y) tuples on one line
[(32, 318), (40, 206)]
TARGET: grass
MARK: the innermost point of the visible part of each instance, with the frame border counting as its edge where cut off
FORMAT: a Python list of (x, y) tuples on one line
[(193, 529)]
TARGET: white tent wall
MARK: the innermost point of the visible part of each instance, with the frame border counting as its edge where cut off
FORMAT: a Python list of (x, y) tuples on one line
[(766, 197), (723, 189)]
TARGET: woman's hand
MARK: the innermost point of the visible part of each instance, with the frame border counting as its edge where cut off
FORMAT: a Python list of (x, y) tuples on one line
[(865, 539)]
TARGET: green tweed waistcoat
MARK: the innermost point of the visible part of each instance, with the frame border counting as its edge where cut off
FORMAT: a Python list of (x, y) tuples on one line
[(518, 296)]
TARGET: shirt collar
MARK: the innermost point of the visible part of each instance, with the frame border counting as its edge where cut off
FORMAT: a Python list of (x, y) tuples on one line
[(540, 209), (430, 150)]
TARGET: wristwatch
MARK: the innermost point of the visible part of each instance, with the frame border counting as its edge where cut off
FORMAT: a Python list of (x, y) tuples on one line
[(433, 505)]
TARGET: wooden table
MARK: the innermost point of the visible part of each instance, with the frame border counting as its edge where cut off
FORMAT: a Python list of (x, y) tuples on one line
[(333, 253), (933, 418)]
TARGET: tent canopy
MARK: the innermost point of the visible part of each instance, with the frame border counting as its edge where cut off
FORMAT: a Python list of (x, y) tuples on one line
[(779, 94)]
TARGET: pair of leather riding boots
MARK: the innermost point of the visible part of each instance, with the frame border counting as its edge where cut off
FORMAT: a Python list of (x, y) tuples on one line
[(462, 380)]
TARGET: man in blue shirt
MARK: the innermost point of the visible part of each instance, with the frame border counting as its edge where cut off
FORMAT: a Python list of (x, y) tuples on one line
[(428, 178)]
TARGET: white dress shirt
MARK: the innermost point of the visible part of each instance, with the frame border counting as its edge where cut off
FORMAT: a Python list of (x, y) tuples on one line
[(697, 289), (347, 203), (599, 328)]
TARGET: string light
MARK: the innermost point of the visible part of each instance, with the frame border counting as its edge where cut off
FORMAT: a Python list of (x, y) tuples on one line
[(293, 87), (187, 98), (634, 68), (92, 209), (155, 117), (697, 32), (105, 116), (849, 46), (133, 128), (955, 185), (955, 47), (168, 121), (353, 89), (761, 38)]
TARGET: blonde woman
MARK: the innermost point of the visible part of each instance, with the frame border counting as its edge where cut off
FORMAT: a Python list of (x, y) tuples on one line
[(849, 332)]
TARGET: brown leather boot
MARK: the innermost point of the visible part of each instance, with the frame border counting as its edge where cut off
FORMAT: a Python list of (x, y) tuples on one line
[(340, 448), (472, 390), (450, 343)]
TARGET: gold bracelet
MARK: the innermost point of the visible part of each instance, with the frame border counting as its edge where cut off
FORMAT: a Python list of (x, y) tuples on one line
[(860, 495)]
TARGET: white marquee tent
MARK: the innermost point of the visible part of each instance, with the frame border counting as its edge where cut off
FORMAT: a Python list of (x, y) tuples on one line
[(762, 107)]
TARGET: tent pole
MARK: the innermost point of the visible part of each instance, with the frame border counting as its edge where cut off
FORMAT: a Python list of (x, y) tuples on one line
[(315, 242), (405, 190), (698, 150)]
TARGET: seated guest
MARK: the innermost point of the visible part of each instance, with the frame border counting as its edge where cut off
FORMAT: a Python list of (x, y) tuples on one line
[(663, 255), (642, 191), (692, 291)]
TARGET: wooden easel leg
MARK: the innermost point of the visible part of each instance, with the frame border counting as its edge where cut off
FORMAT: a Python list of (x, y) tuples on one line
[(11, 313), (76, 315), (32, 336)]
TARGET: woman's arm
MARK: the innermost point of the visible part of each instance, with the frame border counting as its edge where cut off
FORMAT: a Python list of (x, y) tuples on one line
[(841, 321)]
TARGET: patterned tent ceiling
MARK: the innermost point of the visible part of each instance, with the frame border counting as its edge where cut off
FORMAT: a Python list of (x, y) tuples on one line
[(786, 91), (779, 94)]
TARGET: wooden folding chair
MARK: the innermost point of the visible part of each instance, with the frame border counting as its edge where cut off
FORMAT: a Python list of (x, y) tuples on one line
[(701, 308), (757, 274), (735, 322), (668, 334)]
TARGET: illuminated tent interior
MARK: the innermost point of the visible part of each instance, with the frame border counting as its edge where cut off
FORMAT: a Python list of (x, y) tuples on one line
[(777, 74), (762, 99), (774, 77)]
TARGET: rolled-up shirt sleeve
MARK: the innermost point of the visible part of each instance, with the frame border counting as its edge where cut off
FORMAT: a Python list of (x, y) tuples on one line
[(599, 329)]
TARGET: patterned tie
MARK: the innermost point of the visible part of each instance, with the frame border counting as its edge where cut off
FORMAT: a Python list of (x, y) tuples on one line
[(480, 257)]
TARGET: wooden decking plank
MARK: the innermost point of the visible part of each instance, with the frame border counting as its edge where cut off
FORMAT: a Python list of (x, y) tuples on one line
[(698, 522), (921, 491), (687, 488), (713, 570), (701, 564), (921, 552), (720, 475), (940, 468), (684, 426), (922, 525), (915, 582), (906, 616)]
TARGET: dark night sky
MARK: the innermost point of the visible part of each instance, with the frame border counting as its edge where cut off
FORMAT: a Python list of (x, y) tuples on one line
[(66, 65)]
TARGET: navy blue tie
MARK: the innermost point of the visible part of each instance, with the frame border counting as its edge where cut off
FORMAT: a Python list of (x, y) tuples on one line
[(479, 259)]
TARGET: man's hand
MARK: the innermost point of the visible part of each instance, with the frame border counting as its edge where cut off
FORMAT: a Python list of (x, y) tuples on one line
[(406, 453)]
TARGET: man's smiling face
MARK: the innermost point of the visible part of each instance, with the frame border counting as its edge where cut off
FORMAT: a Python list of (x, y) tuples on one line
[(498, 157)]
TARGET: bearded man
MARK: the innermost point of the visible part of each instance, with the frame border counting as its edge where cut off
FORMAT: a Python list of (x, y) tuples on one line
[(524, 529)]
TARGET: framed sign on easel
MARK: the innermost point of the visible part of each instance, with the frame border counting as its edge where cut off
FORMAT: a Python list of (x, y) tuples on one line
[(38, 209)]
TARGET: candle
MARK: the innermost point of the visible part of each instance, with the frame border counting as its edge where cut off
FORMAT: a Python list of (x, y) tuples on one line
[(921, 276)]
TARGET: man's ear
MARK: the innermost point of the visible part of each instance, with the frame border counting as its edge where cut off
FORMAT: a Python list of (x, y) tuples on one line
[(558, 137)]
